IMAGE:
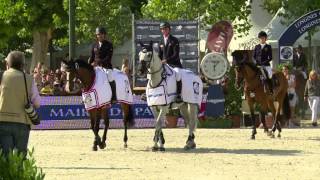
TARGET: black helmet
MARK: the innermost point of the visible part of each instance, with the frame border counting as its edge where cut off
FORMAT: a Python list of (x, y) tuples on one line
[(262, 34), (101, 30), (164, 25)]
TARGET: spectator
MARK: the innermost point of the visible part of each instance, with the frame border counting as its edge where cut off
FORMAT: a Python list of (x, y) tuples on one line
[(14, 123), (47, 89), (312, 93), (293, 98)]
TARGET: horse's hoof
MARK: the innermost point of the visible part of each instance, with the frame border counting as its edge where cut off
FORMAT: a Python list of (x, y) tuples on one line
[(155, 148), (162, 149), (279, 135), (94, 148), (272, 136), (125, 146), (190, 146), (269, 133), (102, 145), (253, 137)]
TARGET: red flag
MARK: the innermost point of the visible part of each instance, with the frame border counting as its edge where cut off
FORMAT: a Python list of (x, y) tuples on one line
[(219, 37)]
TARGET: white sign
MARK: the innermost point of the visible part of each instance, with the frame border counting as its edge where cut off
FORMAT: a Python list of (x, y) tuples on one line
[(286, 53)]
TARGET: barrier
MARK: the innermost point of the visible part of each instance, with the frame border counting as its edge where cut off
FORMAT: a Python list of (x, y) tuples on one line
[(68, 112)]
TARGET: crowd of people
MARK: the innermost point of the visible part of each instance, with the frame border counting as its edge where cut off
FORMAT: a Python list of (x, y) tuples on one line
[(52, 82)]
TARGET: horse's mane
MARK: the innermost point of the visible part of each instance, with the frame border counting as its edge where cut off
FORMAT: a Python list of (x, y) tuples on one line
[(83, 64), (252, 66)]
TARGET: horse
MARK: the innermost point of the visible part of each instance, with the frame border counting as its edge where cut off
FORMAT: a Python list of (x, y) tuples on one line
[(158, 75), (89, 76), (300, 86), (255, 93)]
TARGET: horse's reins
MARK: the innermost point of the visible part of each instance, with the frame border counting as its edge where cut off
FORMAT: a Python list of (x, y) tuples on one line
[(163, 75)]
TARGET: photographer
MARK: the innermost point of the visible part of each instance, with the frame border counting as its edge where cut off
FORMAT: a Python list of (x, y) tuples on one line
[(14, 122)]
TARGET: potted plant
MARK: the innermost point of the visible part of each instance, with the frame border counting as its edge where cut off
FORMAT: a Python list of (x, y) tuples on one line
[(233, 99), (172, 118)]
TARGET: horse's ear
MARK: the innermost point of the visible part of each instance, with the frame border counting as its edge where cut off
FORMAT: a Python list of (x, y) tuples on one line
[(141, 44)]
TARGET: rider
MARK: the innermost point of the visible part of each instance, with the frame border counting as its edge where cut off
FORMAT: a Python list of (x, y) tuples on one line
[(101, 54), (169, 53), (263, 55), (300, 61)]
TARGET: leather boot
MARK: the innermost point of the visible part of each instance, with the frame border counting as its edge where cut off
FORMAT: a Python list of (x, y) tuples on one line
[(270, 85), (179, 88), (114, 92)]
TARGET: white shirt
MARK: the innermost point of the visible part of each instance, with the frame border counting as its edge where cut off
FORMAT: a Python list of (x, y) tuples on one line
[(262, 45), (165, 40)]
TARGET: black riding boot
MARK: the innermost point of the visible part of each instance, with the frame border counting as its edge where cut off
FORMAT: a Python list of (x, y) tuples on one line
[(114, 92), (179, 88), (270, 85)]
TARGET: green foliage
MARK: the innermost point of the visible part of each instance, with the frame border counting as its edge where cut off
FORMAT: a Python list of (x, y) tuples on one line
[(173, 112), (233, 99), (280, 66), (209, 11), (219, 122), (15, 167), (293, 8), (20, 18)]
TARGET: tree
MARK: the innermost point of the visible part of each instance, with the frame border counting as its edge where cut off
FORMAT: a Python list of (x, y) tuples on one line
[(33, 18), (209, 11)]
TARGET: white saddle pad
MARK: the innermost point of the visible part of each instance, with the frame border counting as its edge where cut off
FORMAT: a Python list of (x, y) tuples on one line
[(124, 93), (99, 94)]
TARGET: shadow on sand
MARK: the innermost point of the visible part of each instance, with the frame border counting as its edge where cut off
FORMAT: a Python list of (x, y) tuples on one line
[(86, 168), (271, 152)]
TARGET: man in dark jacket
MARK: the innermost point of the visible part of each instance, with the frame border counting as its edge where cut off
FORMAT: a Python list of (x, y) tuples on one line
[(262, 55), (169, 50), (101, 55), (300, 61)]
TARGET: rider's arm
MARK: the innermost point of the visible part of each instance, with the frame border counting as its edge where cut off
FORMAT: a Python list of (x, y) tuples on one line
[(91, 58), (175, 54), (108, 52)]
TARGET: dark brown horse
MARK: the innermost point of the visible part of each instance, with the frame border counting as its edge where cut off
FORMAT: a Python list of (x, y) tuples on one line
[(255, 92), (86, 74), (300, 85)]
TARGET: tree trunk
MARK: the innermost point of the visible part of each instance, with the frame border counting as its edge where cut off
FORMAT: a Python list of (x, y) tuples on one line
[(40, 47)]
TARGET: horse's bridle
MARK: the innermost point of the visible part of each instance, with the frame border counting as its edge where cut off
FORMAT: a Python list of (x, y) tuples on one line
[(148, 64)]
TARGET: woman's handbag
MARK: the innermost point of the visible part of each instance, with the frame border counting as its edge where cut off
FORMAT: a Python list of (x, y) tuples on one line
[(31, 112)]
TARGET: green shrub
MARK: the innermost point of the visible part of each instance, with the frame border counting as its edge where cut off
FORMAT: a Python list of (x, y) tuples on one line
[(233, 99), (15, 166), (219, 122)]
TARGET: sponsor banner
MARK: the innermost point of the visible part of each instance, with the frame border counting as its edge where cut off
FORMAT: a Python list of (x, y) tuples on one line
[(185, 31), (68, 112)]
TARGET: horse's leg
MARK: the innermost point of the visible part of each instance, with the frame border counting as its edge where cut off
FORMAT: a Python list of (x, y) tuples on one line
[(105, 117), (192, 111), (278, 117), (253, 119), (93, 120), (125, 113), (159, 112), (263, 112), (274, 116)]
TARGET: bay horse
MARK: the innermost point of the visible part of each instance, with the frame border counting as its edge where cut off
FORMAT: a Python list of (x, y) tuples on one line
[(87, 74), (300, 86), (159, 76), (255, 93)]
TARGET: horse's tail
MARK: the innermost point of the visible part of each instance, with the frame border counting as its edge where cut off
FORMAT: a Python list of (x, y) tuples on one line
[(286, 107), (131, 116)]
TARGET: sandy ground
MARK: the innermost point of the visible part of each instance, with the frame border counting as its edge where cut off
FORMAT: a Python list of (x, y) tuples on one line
[(220, 154)]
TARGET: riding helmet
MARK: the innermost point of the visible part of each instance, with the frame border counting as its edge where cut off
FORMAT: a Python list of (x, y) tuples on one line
[(100, 30), (262, 34), (164, 25)]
